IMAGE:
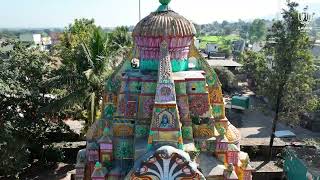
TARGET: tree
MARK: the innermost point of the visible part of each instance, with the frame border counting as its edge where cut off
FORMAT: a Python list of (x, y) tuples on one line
[(289, 83), (257, 30), (118, 41), (255, 66), (244, 28), (77, 33), (88, 57), (23, 127), (226, 78)]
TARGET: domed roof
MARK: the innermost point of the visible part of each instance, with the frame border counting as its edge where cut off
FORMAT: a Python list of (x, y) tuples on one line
[(164, 22)]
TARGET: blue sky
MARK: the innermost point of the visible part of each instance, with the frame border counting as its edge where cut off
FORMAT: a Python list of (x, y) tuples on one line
[(111, 13)]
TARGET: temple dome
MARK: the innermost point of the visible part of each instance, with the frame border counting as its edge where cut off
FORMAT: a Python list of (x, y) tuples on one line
[(164, 23)]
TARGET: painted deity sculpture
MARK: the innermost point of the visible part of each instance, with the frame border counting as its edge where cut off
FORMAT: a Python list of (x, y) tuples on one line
[(164, 114)]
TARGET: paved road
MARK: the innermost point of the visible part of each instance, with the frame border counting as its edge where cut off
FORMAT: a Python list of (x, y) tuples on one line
[(255, 126)]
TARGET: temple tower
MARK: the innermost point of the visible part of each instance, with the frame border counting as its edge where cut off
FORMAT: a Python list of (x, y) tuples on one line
[(165, 125)]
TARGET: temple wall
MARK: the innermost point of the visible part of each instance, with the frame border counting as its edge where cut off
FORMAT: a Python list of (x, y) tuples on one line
[(153, 64), (149, 52)]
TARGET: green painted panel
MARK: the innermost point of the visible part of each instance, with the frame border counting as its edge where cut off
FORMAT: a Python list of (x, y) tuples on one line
[(149, 87), (149, 64), (196, 87), (134, 86), (141, 131), (177, 65), (217, 111), (181, 88), (187, 132), (123, 149)]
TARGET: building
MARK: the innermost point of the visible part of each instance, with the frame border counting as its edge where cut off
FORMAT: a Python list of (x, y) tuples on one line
[(34, 39), (55, 37), (238, 46), (212, 48), (164, 119), (227, 63)]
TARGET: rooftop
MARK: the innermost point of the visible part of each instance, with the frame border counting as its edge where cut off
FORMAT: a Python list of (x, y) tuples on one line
[(223, 63)]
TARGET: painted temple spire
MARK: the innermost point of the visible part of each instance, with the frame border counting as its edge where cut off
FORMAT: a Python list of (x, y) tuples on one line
[(165, 125), (165, 90)]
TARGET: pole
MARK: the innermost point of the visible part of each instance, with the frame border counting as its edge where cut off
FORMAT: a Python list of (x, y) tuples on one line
[(275, 120), (139, 10)]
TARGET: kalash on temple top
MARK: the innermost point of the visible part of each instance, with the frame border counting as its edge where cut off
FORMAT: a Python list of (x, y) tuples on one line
[(163, 119)]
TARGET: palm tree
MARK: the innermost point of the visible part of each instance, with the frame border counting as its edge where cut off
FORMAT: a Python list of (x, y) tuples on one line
[(82, 76)]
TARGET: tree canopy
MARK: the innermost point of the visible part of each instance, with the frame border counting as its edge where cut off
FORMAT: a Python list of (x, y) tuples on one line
[(88, 57), (23, 127)]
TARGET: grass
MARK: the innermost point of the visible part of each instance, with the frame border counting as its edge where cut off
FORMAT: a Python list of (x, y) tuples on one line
[(220, 40)]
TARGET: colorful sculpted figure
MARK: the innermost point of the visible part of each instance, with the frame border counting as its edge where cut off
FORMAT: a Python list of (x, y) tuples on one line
[(164, 115), (164, 122)]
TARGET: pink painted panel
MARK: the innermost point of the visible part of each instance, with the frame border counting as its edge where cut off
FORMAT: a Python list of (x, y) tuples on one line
[(105, 146)]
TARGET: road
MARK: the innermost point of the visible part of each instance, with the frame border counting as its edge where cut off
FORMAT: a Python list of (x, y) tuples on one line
[(255, 126)]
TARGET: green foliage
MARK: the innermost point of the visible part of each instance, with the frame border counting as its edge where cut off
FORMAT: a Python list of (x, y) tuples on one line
[(89, 56), (245, 30), (14, 156), (226, 77), (227, 52), (290, 81), (23, 127), (77, 32), (255, 66), (223, 41), (118, 39), (257, 30), (52, 154)]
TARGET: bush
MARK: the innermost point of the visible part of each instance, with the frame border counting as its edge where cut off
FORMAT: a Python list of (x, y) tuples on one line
[(227, 78), (24, 127), (52, 154), (14, 154)]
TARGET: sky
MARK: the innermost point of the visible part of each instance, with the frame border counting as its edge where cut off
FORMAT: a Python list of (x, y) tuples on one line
[(111, 13)]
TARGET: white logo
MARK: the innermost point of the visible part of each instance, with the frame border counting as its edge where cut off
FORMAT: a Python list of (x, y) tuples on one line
[(135, 63), (305, 18)]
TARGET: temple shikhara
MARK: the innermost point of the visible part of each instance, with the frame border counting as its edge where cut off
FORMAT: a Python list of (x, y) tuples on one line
[(164, 115)]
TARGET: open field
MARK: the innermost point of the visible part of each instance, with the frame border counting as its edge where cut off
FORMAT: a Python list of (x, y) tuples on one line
[(223, 41)]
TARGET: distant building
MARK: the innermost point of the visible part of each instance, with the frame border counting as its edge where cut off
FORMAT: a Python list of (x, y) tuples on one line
[(212, 48), (257, 46), (46, 43), (55, 37), (238, 46), (30, 38), (197, 43), (227, 63), (316, 50)]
